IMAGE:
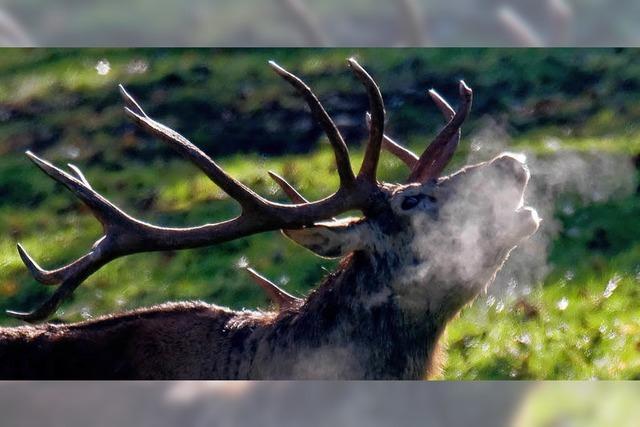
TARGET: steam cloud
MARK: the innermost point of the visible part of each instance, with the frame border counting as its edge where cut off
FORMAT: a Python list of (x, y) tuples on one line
[(592, 177)]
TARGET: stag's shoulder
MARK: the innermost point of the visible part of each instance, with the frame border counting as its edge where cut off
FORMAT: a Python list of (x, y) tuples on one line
[(167, 312)]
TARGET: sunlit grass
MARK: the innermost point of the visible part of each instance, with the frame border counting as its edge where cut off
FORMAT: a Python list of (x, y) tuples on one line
[(561, 330), (573, 325)]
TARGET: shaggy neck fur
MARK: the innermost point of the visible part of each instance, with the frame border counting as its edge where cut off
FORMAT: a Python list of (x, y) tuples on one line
[(352, 327)]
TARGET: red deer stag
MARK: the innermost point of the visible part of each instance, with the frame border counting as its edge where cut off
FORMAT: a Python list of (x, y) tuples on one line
[(420, 252)]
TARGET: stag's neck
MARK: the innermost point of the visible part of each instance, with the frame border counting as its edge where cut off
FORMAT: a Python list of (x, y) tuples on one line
[(352, 326)]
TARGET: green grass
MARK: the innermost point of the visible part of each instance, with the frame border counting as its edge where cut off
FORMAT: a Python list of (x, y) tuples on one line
[(568, 327), (563, 330)]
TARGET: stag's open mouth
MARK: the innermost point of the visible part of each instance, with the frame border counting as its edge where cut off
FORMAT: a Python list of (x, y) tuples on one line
[(526, 219), (516, 224)]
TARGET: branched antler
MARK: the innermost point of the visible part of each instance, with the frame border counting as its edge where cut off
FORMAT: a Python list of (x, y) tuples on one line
[(124, 235)]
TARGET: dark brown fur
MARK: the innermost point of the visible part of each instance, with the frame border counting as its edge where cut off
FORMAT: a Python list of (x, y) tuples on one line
[(197, 340)]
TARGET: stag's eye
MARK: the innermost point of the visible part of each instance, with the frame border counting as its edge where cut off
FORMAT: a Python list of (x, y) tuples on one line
[(411, 201)]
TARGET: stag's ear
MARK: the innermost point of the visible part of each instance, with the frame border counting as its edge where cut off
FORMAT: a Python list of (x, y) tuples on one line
[(331, 239)]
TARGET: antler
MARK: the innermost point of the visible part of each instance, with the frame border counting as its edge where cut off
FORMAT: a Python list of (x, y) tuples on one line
[(287, 188), (404, 154), (376, 127), (434, 159), (125, 235), (283, 299)]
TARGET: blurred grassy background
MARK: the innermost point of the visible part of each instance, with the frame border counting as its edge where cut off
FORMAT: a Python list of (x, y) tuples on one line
[(580, 321)]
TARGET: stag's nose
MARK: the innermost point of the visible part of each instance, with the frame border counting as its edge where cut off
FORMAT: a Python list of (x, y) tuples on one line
[(512, 166)]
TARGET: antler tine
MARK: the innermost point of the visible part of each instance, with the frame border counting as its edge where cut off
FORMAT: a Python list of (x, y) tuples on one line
[(61, 293), (130, 102), (71, 276), (45, 310), (450, 147), (404, 154), (243, 195), (102, 209), (57, 276), (288, 189), (340, 149), (79, 174), (447, 110), (376, 128), (46, 277), (434, 159), (283, 299)]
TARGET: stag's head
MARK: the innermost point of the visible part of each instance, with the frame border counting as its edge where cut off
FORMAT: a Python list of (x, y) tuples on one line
[(475, 213), (444, 236), (445, 239)]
